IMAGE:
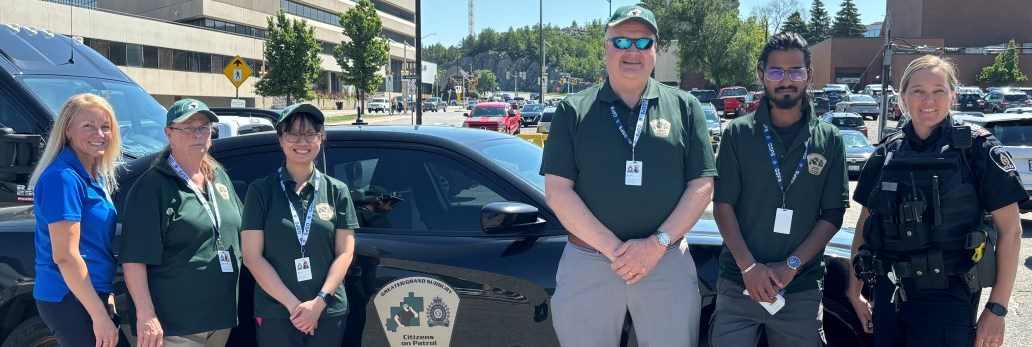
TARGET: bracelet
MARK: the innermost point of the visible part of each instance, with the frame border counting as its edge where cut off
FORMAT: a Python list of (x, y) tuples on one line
[(749, 268)]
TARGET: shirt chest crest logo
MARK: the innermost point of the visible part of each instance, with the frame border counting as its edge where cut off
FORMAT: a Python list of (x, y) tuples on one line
[(815, 163), (324, 211), (660, 127), (223, 191)]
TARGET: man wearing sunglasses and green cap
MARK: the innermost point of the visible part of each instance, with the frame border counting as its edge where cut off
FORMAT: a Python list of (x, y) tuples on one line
[(628, 171), (781, 196)]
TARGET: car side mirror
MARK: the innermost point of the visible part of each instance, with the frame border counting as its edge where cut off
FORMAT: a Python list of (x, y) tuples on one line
[(509, 217), (465, 114)]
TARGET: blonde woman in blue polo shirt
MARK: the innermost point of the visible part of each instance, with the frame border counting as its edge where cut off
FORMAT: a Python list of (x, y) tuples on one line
[(75, 224)]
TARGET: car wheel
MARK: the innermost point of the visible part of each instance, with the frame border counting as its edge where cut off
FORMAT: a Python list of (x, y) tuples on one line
[(31, 333), (518, 126), (841, 327)]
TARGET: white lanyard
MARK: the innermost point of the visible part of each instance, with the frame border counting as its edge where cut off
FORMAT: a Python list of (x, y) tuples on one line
[(302, 233), (216, 219)]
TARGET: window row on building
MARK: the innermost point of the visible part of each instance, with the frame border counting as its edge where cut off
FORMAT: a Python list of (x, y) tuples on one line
[(151, 57), (318, 15), (227, 27), (80, 3)]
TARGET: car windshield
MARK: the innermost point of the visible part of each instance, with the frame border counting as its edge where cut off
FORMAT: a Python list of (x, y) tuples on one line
[(704, 94), (853, 139), (861, 98), (1015, 97), (379, 100), (533, 108), (488, 112), (968, 97), (140, 118), (847, 121), (516, 155), (1012, 133), (735, 92), (711, 115)]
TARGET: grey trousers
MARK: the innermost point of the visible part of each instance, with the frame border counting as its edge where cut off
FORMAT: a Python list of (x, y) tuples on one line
[(215, 338), (591, 300), (738, 319)]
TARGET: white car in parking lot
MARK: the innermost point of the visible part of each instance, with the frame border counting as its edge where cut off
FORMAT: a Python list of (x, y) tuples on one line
[(378, 104), (1014, 130), (861, 104)]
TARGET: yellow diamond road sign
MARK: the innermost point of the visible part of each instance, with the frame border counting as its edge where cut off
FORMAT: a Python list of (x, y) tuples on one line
[(237, 71)]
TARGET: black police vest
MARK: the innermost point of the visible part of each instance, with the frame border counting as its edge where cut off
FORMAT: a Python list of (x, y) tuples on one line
[(923, 200)]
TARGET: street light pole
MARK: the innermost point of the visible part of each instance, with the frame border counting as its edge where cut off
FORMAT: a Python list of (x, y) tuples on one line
[(419, 64), (541, 34), (886, 72)]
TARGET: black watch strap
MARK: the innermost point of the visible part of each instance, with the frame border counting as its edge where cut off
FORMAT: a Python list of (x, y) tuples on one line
[(996, 309), (327, 297)]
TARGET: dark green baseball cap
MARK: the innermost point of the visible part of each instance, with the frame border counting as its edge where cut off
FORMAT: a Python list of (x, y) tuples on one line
[(635, 13), (183, 109), (303, 108)]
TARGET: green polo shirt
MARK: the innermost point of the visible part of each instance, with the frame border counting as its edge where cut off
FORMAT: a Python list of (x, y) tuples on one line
[(748, 183), (585, 145), (165, 227), (266, 209)]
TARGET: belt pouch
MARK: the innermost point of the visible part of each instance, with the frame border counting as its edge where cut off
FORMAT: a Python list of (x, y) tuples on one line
[(929, 270)]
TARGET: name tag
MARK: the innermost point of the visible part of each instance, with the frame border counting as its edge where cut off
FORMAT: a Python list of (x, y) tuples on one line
[(304, 269), (224, 261), (633, 170), (783, 221)]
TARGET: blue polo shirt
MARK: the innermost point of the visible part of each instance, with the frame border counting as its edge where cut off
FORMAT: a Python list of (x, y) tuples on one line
[(65, 192)]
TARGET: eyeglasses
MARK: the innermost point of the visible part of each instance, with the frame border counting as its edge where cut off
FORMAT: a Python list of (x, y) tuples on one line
[(295, 137), (796, 74), (625, 43), (201, 130)]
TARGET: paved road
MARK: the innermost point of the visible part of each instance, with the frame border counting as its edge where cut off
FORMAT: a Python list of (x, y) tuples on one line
[(1019, 317)]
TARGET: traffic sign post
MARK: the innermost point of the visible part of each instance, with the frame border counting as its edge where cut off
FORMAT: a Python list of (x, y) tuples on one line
[(237, 72)]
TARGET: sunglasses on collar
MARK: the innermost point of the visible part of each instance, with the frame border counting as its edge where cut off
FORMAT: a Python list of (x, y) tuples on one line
[(625, 43)]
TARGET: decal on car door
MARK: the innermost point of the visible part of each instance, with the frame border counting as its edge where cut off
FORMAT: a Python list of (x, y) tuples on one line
[(417, 311)]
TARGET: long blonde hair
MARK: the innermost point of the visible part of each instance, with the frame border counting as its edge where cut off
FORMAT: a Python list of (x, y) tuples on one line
[(58, 139)]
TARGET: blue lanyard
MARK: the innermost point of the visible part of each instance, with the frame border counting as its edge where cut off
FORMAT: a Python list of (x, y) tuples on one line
[(637, 128), (777, 167), (216, 219), (302, 234)]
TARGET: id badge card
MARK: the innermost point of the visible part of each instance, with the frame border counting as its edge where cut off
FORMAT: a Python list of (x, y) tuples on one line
[(632, 176), (224, 261), (783, 221), (304, 269)]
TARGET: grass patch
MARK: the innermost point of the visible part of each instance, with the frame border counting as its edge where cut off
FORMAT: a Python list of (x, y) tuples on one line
[(347, 118)]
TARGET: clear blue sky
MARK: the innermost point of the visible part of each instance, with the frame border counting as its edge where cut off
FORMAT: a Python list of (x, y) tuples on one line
[(447, 19)]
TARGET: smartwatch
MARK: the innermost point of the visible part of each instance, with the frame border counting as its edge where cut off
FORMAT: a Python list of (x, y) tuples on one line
[(996, 309), (794, 263), (326, 297), (663, 238)]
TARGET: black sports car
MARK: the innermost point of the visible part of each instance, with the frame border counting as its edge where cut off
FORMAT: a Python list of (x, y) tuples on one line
[(470, 256)]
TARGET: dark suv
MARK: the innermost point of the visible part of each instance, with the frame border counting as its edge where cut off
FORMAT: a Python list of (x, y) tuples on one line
[(1000, 101), (970, 102), (846, 120), (39, 71)]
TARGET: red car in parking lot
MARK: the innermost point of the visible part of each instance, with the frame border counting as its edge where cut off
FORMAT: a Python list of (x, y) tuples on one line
[(738, 101), (494, 116)]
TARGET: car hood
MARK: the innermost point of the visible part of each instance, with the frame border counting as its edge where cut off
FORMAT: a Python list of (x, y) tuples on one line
[(17, 219), (485, 119), (858, 151), (705, 232)]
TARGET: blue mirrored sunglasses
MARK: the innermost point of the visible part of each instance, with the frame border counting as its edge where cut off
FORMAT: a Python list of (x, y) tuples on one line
[(625, 43), (795, 74)]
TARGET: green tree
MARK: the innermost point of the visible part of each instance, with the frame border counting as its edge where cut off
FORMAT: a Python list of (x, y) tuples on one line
[(847, 21), (291, 59), (795, 24), (819, 26), (486, 81), (1005, 70), (364, 56)]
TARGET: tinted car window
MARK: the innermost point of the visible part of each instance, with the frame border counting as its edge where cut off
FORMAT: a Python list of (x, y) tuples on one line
[(488, 112), (1015, 97), (533, 108), (13, 117), (852, 139), (547, 117), (1016, 133), (704, 94), (847, 121), (968, 97)]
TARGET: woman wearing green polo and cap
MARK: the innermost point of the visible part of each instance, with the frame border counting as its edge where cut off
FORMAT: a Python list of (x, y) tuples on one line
[(299, 240), (180, 239)]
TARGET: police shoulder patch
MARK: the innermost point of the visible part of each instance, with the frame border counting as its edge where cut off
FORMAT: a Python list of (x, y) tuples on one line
[(1002, 159)]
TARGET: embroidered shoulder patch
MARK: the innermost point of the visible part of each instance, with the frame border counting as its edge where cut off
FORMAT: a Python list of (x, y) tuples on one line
[(1002, 159)]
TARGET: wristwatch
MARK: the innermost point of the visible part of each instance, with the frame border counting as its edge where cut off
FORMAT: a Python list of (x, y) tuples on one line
[(996, 309), (663, 238), (794, 263), (327, 297)]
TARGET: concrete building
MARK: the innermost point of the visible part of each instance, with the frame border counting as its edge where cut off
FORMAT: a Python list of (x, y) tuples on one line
[(178, 48), (968, 32)]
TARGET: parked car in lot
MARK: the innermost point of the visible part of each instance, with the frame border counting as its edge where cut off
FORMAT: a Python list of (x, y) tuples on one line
[(846, 121), (531, 114), (434, 104), (737, 101), (969, 102), (37, 77), (545, 124), (968, 113), (1014, 130), (894, 111), (234, 121), (473, 218), (820, 101), (971, 89), (858, 150), (716, 129), (1001, 100), (493, 116), (273, 115), (861, 104), (708, 96), (836, 92), (471, 103), (378, 105)]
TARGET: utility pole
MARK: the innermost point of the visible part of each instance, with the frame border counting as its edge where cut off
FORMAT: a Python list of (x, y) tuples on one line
[(419, 65), (886, 73), (541, 34)]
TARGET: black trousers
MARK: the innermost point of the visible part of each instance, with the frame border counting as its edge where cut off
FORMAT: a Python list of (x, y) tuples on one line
[(273, 332), (71, 323), (943, 317)]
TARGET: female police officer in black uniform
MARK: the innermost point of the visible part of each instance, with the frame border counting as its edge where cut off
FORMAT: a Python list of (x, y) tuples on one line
[(925, 192)]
